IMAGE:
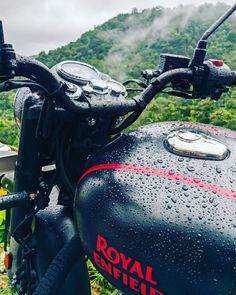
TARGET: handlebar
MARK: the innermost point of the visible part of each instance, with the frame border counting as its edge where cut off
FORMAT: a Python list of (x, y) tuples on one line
[(160, 82), (38, 72), (35, 70)]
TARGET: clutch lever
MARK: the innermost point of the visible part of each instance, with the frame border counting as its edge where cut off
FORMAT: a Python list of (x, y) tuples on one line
[(14, 84)]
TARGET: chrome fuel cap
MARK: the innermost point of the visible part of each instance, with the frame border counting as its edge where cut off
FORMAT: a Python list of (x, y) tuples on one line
[(193, 144), (188, 136)]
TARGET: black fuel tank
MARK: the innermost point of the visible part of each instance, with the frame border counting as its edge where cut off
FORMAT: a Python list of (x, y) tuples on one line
[(156, 218)]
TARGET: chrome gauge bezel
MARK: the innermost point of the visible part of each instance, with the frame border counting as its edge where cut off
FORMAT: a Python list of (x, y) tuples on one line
[(74, 78), (87, 84)]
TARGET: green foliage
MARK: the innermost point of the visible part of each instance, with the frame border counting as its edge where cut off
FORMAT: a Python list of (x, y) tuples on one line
[(89, 48), (99, 283), (129, 43), (221, 113), (6, 292), (2, 225), (8, 129)]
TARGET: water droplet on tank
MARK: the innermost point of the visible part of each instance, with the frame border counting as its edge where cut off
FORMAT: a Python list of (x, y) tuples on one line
[(233, 169), (190, 168), (180, 159), (184, 187), (174, 199), (218, 170)]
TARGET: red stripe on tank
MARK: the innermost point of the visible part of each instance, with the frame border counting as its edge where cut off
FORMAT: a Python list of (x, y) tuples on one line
[(165, 174)]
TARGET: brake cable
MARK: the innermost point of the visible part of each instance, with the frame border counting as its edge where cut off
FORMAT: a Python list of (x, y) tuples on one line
[(41, 202), (139, 82)]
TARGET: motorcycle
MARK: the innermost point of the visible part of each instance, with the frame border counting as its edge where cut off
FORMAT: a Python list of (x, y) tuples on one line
[(153, 209)]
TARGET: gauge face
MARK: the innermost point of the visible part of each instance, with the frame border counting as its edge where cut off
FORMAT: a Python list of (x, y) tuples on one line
[(116, 87), (77, 71)]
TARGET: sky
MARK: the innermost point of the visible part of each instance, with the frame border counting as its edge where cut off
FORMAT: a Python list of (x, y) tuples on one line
[(36, 25)]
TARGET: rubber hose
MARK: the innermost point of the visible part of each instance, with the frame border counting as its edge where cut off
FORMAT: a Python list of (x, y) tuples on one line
[(59, 268)]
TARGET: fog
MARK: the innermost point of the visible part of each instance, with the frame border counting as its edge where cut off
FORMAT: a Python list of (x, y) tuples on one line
[(34, 26)]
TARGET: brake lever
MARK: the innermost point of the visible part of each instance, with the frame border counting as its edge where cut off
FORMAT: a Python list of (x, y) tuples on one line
[(179, 94), (138, 82)]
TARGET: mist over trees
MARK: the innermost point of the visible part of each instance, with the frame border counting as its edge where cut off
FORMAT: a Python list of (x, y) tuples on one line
[(129, 43)]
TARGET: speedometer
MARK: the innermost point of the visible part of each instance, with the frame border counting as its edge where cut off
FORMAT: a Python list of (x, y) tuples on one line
[(77, 71)]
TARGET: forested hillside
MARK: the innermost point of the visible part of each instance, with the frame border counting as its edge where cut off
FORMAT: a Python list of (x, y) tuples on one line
[(129, 43)]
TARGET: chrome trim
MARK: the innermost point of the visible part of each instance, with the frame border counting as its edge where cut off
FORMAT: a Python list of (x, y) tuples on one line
[(195, 144), (70, 76)]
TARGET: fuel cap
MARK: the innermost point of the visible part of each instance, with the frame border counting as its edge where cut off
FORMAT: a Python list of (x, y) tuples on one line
[(188, 136), (193, 144)]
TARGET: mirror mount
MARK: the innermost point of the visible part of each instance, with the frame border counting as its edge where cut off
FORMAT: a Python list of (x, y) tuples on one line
[(201, 49)]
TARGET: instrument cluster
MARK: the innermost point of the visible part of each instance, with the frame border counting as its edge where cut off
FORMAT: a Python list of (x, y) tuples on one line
[(84, 78), (84, 82)]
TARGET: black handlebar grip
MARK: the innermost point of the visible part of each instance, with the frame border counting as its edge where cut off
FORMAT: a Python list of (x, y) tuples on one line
[(15, 200), (234, 78), (228, 78)]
